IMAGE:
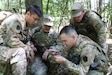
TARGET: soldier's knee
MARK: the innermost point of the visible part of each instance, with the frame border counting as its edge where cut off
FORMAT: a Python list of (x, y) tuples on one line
[(18, 56), (21, 50)]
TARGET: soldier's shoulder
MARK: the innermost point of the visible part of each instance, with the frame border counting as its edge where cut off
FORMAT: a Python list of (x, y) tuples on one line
[(37, 29), (85, 38), (54, 34), (73, 22), (84, 41), (93, 15), (12, 18)]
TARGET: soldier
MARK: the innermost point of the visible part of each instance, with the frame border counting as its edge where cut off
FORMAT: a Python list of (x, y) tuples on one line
[(15, 46), (44, 39), (89, 23), (92, 60)]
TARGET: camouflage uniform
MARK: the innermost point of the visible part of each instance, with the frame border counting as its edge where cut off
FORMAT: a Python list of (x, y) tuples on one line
[(91, 25), (93, 61), (12, 50), (44, 41)]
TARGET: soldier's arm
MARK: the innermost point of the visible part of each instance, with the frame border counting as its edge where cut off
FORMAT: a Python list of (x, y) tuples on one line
[(9, 33), (58, 48), (13, 36), (87, 58), (100, 28), (71, 21), (56, 45), (13, 39), (12, 32)]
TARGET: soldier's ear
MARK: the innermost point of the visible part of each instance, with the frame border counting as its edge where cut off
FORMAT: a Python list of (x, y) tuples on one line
[(28, 13), (73, 36)]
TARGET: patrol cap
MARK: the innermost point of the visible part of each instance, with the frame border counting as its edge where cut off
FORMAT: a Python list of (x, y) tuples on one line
[(35, 9), (76, 9), (48, 20)]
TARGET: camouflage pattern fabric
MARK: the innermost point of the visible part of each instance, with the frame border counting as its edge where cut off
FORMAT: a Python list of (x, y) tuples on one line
[(90, 54), (12, 49), (13, 60), (93, 27), (43, 42)]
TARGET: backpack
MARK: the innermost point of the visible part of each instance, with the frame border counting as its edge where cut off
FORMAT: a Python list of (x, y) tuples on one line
[(4, 15)]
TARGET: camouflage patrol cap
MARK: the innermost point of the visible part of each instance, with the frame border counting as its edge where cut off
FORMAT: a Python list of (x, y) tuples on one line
[(48, 20), (76, 9)]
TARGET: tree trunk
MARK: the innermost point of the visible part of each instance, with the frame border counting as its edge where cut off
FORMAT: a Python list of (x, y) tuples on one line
[(100, 7), (47, 7), (20, 6), (35, 2), (6, 4)]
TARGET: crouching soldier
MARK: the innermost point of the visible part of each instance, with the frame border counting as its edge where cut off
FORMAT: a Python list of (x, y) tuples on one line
[(14, 50)]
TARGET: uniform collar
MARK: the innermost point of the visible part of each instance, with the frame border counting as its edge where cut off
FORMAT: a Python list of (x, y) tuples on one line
[(78, 42)]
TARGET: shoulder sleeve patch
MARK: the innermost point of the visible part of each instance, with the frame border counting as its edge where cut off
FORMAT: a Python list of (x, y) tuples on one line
[(16, 28), (85, 58)]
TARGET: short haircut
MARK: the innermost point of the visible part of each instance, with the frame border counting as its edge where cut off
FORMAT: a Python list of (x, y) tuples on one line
[(69, 30), (35, 9)]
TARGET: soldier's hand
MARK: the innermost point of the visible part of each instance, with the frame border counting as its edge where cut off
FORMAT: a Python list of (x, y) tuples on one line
[(49, 51), (54, 52), (33, 47), (59, 59), (32, 54)]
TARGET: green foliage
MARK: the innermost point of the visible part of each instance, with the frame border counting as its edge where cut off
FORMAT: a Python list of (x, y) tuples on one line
[(1, 74), (10, 5), (60, 9), (1, 5), (110, 16), (108, 10)]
